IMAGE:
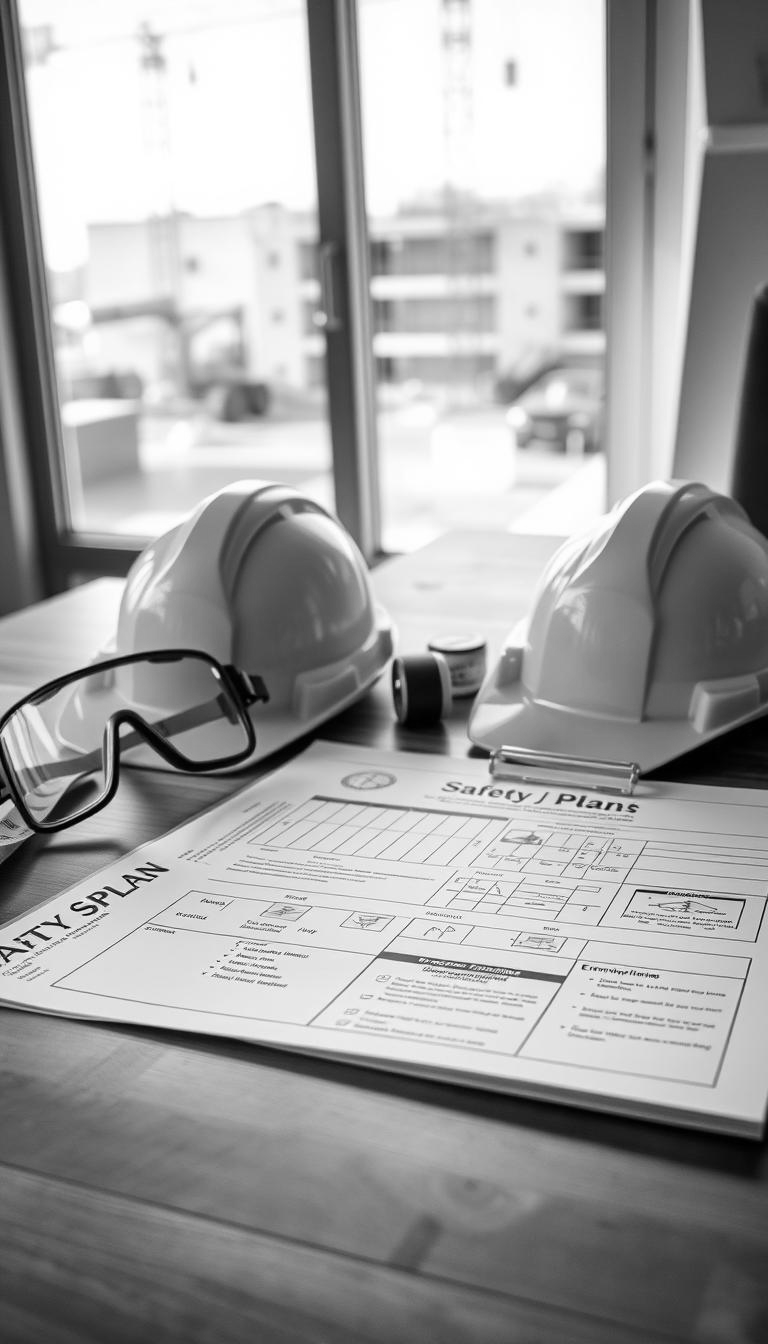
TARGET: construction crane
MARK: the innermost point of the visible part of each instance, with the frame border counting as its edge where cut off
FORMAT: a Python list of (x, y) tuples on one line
[(458, 122), (456, 40), (164, 251), (227, 386)]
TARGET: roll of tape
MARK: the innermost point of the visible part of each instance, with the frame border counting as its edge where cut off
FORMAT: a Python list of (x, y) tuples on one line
[(421, 689), (466, 659)]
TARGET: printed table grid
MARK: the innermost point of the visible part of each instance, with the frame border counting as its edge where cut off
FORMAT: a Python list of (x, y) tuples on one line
[(375, 830)]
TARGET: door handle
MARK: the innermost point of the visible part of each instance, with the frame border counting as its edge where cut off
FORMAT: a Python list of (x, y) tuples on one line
[(327, 315)]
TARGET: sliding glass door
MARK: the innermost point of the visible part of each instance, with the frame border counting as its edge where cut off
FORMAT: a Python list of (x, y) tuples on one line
[(484, 139), (175, 174), (355, 247)]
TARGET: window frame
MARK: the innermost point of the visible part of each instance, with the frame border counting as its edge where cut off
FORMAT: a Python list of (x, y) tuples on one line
[(343, 244), (67, 555), (654, 102)]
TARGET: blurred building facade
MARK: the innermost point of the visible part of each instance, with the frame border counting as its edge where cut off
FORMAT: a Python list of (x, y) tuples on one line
[(462, 298)]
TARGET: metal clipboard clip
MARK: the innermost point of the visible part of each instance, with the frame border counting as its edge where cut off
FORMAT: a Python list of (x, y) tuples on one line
[(545, 767)]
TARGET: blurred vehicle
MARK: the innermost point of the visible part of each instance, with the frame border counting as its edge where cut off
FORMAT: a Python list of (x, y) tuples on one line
[(561, 409), (210, 360), (531, 365), (217, 365), (81, 370)]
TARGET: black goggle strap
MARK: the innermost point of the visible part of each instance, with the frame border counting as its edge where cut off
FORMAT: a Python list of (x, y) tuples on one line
[(250, 686)]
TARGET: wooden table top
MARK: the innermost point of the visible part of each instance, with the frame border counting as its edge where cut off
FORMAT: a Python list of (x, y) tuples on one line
[(159, 1186)]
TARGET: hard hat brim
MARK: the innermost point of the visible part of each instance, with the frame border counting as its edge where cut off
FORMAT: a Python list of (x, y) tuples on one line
[(505, 716), (338, 687)]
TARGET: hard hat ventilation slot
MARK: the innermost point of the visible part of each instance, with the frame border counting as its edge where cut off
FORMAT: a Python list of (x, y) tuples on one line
[(510, 667), (715, 704), (318, 693)]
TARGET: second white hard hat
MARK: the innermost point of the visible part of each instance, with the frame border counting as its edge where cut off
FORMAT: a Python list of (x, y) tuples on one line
[(648, 635)]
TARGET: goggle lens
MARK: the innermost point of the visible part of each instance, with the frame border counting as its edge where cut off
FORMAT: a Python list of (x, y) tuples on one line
[(58, 742)]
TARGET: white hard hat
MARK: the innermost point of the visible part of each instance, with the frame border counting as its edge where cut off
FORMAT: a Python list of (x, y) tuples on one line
[(267, 580), (648, 635)]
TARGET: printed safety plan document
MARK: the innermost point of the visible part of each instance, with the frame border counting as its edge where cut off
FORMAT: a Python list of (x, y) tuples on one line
[(412, 913)]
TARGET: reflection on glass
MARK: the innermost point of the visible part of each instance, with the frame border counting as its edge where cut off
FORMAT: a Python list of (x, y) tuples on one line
[(484, 162), (174, 156), (175, 167)]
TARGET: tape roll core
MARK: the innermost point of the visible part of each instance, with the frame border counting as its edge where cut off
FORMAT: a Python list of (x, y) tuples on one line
[(421, 689)]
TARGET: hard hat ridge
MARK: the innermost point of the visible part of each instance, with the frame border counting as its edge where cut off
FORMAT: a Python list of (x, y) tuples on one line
[(178, 584), (260, 505)]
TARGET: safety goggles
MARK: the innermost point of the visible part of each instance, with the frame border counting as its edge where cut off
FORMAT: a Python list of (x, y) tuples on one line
[(60, 746)]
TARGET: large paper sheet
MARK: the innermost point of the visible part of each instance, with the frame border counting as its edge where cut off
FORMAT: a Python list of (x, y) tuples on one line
[(410, 912)]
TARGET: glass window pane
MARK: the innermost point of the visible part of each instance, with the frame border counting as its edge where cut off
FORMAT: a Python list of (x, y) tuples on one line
[(484, 143), (174, 160)]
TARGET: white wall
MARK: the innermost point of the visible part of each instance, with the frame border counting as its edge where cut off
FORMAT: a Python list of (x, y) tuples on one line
[(731, 236)]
